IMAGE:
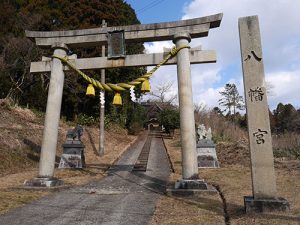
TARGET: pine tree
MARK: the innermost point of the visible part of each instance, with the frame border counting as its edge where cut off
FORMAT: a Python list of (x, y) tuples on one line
[(232, 101), (286, 118)]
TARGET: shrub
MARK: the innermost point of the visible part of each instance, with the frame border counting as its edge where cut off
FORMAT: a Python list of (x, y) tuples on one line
[(291, 153), (84, 119), (136, 118), (170, 119)]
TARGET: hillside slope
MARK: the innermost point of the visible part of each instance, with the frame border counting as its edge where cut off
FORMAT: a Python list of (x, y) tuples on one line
[(21, 133)]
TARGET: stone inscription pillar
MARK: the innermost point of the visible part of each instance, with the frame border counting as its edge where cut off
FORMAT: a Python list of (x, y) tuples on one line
[(49, 144), (186, 107), (260, 139)]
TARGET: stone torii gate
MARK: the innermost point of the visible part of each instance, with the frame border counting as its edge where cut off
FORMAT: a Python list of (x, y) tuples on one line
[(180, 32)]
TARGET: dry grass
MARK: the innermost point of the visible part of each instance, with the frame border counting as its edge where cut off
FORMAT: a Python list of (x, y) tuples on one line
[(233, 152), (12, 193), (287, 145), (223, 130), (20, 144), (14, 198), (286, 140), (234, 180), (196, 211)]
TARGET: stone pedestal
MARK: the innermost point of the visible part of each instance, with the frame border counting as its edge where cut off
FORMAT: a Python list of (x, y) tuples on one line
[(206, 154), (43, 182), (192, 188), (191, 184), (253, 205), (73, 155)]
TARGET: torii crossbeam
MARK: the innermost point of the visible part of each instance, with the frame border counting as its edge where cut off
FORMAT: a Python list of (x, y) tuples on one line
[(180, 32)]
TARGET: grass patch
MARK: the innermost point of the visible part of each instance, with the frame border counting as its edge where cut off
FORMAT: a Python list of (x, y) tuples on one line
[(234, 180), (16, 160), (290, 153), (14, 198), (176, 144)]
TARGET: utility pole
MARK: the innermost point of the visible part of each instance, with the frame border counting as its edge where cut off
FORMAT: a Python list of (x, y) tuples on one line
[(102, 105)]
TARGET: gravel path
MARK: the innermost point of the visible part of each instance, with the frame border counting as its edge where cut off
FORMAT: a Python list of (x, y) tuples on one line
[(123, 197)]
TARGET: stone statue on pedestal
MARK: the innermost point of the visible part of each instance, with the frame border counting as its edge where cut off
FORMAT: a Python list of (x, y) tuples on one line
[(206, 149), (73, 150)]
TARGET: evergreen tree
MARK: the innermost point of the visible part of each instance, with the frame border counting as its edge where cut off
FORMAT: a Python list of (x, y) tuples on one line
[(231, 99), (170, 119), (49, 15), (136, 118), (286, 118)]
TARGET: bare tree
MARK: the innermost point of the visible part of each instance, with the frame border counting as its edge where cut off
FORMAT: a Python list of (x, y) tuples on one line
[(161, 93), (15, 62), (199, 107), (200, 111)]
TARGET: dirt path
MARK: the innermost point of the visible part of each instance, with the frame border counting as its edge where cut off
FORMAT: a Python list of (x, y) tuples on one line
[(123, 197)]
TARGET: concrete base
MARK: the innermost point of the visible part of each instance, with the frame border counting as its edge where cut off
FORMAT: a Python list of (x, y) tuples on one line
[(43, 182), (191, 184), (192, 192), (265, 205), (190, 187)]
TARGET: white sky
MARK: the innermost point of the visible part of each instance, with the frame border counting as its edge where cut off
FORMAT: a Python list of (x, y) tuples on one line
[(280, 32)]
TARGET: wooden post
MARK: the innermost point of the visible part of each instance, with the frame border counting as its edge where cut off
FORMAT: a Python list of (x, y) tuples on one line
[(102, 106)]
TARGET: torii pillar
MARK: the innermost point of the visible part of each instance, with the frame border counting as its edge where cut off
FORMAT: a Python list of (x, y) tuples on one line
[(190, 178), (50, 134), (186, 108)]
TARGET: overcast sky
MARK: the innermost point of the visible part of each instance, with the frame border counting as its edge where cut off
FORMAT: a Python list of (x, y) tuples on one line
[(280, 33)]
